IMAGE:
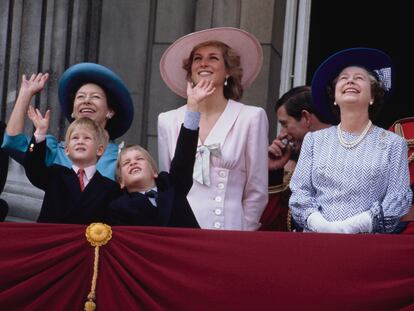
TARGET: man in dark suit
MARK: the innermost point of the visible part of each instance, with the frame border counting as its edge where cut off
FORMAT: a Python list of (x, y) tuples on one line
[(79, 195)]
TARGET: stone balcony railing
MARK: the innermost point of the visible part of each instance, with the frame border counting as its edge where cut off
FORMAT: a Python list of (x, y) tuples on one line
[(23, 198)]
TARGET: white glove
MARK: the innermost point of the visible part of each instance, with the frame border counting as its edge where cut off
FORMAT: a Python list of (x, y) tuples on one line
[(361, 223), (356, 224), (317, 223)]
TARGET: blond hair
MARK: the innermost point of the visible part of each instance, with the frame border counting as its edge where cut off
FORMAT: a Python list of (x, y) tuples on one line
[(144, 153), (101, 136)]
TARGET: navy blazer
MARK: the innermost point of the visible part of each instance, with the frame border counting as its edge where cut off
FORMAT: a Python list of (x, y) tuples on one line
[(172, 208), (64, 202)]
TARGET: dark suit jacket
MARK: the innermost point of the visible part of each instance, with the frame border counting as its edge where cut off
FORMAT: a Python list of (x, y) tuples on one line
[(172, 208), (4, 159), (64, 202), (4, 167)]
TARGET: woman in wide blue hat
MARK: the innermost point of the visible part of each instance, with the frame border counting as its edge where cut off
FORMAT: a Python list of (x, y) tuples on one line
[(352, 177), (85, 90)]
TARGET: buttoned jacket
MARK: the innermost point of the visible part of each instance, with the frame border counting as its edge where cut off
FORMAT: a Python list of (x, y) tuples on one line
[(237, 194)]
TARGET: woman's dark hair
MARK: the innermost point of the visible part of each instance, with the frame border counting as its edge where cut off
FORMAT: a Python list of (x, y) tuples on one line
[(296, 100), (109, 97), (377, 92), (233, 89)]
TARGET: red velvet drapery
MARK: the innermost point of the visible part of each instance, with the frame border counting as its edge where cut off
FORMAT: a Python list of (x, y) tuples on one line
[(49, 267)]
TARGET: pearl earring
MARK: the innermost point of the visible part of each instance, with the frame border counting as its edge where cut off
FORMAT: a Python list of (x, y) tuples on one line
[(225, 82), (371, 102), (335, 104)]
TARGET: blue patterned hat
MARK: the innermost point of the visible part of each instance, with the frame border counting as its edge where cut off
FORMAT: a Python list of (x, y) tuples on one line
[(373, 60), (77, 75)]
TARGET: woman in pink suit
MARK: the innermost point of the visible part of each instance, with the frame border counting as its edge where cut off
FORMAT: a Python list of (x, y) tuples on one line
[(230, 174)]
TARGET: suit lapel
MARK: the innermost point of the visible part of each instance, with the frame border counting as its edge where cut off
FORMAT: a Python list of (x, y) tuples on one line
[(224, 124), (71, 182)]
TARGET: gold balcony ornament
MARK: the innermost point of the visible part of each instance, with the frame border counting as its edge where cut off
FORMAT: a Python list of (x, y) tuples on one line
[(97, 234)]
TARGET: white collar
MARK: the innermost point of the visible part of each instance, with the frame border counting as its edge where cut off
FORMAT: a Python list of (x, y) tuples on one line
[(89, 171)]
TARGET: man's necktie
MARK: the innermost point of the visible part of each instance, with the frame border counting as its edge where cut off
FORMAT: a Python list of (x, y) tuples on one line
[(81, 174)]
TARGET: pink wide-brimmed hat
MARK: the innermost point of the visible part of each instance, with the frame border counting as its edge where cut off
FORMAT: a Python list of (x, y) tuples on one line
[(244, 43)]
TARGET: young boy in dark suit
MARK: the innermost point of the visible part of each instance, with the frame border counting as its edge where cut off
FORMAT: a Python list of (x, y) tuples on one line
[(160, 199), (79, 195)]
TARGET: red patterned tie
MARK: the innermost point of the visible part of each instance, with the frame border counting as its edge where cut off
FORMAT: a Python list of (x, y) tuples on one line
[(81, 174)]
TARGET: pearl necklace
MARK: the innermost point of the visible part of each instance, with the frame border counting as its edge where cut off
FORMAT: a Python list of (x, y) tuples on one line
[(352, 144)]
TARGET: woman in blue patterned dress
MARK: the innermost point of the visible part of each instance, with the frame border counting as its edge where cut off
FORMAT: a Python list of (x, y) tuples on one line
[(353, 177)]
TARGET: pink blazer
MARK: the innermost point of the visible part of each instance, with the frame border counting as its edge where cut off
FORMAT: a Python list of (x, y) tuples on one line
[(237, 193)]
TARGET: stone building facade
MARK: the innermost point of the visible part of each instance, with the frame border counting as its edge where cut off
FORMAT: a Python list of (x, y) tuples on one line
[(129, 36)]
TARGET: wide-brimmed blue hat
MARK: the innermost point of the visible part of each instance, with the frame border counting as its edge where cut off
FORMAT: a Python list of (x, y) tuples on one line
[(373, 60), (117, 92)]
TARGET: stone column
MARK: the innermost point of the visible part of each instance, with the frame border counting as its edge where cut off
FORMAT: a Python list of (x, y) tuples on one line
[(41, 36)]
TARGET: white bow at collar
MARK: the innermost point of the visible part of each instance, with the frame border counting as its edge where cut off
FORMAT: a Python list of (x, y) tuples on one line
[(202, 163)]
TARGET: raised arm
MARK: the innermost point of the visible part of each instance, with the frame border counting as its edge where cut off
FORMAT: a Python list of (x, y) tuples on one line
[(29, 88), (36, 170), (182, 164), (40, 122)]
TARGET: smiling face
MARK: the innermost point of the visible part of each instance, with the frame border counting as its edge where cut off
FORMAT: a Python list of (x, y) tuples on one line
[(91, 101), (136, 171), (353, 87), (208, 63), (83, 147)]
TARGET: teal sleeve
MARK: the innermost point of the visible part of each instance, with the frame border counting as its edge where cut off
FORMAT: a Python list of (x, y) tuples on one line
[(18, 142)]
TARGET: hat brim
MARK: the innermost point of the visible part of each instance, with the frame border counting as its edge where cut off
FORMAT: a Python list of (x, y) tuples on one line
[(77, 75), (245, 44), (368, 58)]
